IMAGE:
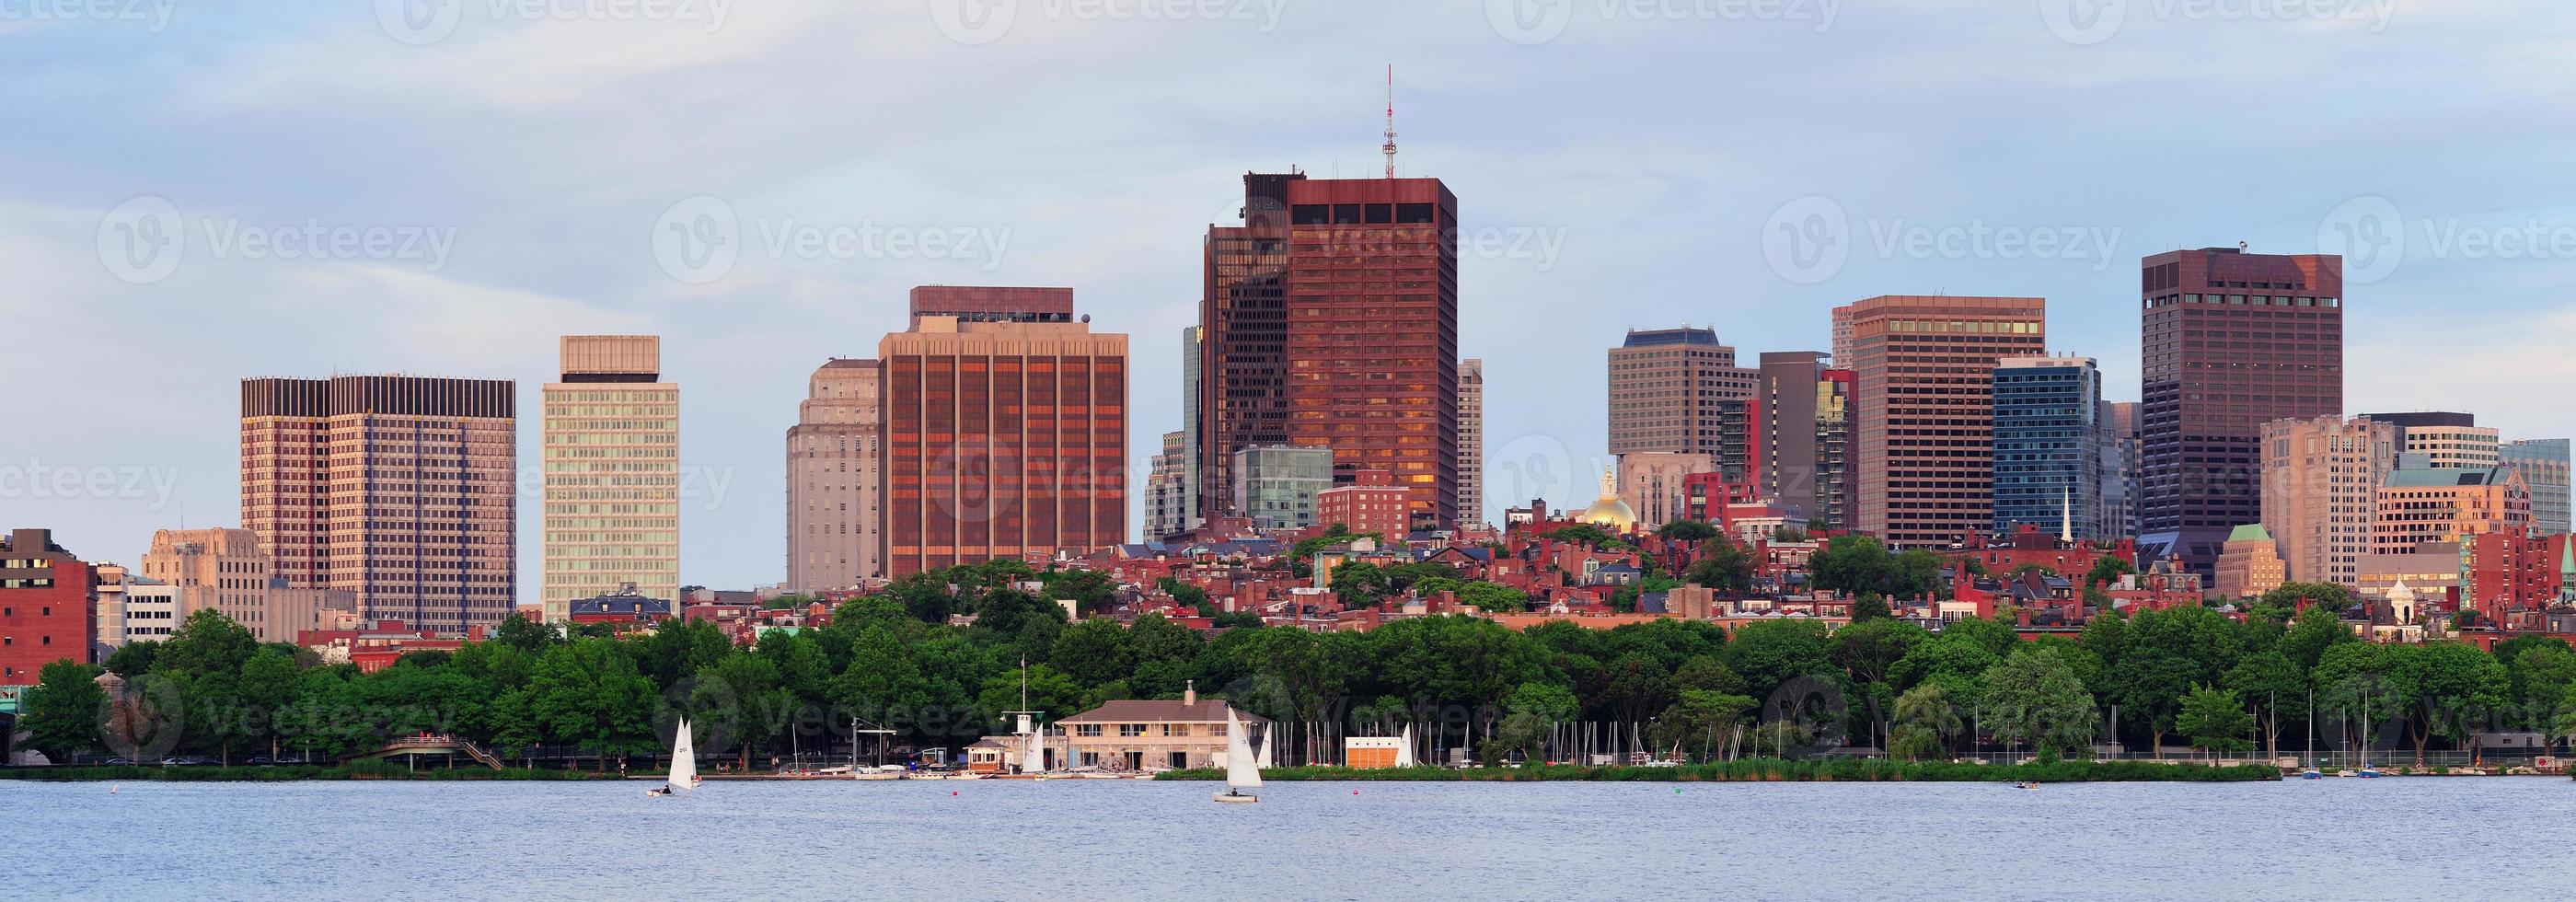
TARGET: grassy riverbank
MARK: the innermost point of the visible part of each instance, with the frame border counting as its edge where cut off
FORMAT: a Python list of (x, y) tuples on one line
[(364, 770), (1770, 770)]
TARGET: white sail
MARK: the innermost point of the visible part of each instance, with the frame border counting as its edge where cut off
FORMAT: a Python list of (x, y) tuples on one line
[(1242, 770), (684, 760), (1404, 753)]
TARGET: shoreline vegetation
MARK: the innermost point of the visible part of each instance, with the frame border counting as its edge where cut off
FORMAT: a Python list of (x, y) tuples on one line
[(285, 773), (1770, 770)]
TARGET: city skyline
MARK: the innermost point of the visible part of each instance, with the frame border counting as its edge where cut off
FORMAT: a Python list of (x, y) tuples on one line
[(1646, 232)]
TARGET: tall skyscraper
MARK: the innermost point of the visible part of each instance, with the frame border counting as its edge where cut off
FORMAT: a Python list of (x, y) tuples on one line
[(1786, 392), (400, 490), (1842, 337), (2048, 446), (1167, 490), (1471, 441), (1924, 439), (1331, 318), (835, 484), (2320, 482), (612, 473), (2543, 464), (1668, 388), (2231, 341), (2120, 469), (1006, 430), (1833, 449), (1193, 382), (2445, 441)]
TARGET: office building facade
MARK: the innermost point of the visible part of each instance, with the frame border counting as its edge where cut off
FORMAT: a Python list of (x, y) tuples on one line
[(835, 487), (1275, 485), (2543, 464), (2230, 341), (1668, 389), (2048, 446), (1924, 439), (1471, 441), (1006, 430), (2321, 481), (400, 490), (611, 458)]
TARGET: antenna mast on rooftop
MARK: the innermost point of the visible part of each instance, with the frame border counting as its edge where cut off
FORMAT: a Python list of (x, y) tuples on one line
[(1389, 147)]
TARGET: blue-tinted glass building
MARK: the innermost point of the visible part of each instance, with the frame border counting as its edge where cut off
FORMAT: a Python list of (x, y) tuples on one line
[(2048, 434)]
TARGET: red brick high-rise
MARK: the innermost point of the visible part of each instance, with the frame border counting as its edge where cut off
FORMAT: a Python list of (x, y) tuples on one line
[(1331, 319), (1923, 435), (1005, 430), (48, 606), (2229, 341)]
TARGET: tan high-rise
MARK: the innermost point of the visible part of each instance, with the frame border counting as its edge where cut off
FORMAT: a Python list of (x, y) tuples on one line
[(2321, 481), (612, 473), (225, 569), (1667, 387), (398, 489), (835, 493), (1006, 430), (1923, 443)]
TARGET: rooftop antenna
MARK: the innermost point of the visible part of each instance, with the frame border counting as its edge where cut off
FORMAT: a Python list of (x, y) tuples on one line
[(1389, 147)]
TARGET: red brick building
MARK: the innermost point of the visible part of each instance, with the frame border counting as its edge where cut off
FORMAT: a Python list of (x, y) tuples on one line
[(1005, 430), (1331, 318), (2511, 577), (48, 606), (1373, 502)]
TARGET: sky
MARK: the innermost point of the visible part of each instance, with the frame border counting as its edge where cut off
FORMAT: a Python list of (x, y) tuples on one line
[(192, 193)]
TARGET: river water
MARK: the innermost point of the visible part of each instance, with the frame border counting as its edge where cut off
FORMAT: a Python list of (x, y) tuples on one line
[(2421, 838)]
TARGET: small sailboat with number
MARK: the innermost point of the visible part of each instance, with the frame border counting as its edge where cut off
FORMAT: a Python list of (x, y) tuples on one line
[(1242, 768), (684, 765)]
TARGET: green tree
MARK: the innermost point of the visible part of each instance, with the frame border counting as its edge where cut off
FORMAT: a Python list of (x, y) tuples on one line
[(1359, 583), (1771, 652), (742, 692), (1687, 531), (133, 659), (1722, 565), (1093, 652), (2033, 697), (1702, 720), (1928, 724), (1493, 598), (2272, 683), (1091, 591), (2215, 720), (1868, 606), (588, 693), (64, 710), (2449, 689)]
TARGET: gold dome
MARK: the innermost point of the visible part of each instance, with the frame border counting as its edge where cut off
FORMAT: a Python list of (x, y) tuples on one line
[(1609, 512)]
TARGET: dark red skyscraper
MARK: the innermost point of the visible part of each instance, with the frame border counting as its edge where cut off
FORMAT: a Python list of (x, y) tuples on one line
[(2231, 341), (1331, 316)]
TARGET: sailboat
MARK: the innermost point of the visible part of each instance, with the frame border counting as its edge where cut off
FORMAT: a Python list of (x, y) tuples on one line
[(684, 765), (1404, 753), (1242, 770)]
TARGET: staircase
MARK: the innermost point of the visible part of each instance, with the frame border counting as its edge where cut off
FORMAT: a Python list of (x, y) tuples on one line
[(479, 754)]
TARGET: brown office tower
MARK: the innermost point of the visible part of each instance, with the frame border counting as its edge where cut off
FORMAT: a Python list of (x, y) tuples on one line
[(834, 489), (1670, 387), (1923, 436), (1787, 392), (2231, 341), (1005, 430), (1331, 315), (397, 489)]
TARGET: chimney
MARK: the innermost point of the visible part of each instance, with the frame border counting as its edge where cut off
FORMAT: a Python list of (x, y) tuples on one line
[(1190, 693)]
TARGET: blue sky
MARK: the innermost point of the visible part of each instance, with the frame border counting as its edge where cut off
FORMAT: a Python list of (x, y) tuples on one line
[(444, 187)]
